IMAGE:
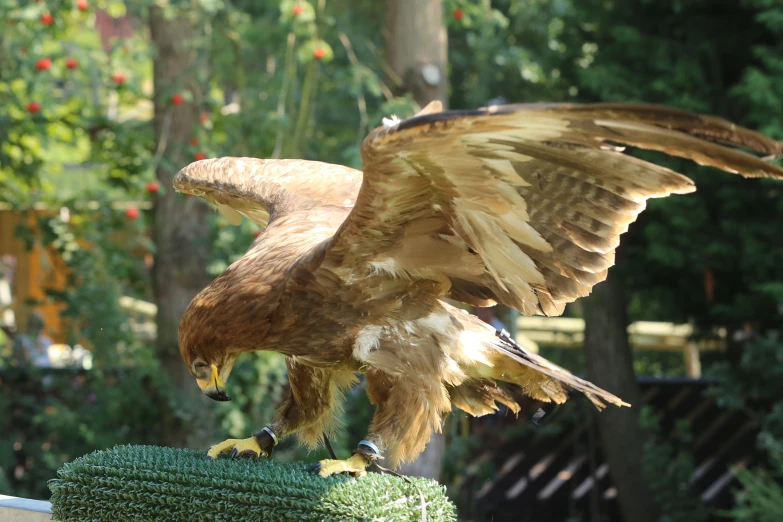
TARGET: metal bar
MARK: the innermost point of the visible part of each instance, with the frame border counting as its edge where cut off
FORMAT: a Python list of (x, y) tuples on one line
[(15, 509)]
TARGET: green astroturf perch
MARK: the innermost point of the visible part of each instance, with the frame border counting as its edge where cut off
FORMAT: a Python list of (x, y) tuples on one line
[(150, 483)]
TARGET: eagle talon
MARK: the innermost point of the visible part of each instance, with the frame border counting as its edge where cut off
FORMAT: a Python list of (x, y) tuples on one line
[(356, 466), (238, 447)]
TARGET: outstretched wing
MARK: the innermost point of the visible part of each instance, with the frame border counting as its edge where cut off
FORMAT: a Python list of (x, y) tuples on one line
[(522, 204)]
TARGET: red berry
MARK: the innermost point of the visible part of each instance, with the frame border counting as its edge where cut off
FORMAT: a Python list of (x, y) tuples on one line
[(153, 187), (204, 117), (256, 233), (43, 64), (118, 78), (33, 107), (458, 14), (177, 99), (132, 213), (82, 5), (47, 19), (319, 53), (297, 10), (194, 141), (199, 156), (71, 63)]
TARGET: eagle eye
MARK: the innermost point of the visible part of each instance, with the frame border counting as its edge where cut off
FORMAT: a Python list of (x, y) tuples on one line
[(199, 365)]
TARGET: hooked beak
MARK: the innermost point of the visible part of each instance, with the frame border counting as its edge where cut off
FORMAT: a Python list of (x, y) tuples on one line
[(213, 387)]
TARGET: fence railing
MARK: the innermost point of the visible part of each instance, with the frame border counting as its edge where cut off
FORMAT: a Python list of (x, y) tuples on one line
[(15, 509)]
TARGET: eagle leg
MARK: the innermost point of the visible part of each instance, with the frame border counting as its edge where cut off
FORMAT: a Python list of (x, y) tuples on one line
[(239, 448), (259, 445), (356, 465)]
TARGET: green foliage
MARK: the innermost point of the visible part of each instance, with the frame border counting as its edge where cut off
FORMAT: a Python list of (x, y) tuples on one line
[(69, 133), (147, 482), (762, 500), (48, 417), (507, 48), (758, 379), (668, 466), (760, 89), (755, 388)]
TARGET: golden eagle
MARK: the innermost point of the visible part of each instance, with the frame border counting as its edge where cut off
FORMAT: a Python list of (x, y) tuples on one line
[(522, 205)]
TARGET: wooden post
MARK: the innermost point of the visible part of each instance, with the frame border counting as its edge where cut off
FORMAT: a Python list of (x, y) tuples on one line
[(692, 360)]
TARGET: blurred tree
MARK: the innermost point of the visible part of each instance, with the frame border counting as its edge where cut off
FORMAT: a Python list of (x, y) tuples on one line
[(181, 246), (610, 366), (416, 47)]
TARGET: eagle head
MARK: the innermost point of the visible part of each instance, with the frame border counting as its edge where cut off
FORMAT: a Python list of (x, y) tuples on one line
[(207, 355)]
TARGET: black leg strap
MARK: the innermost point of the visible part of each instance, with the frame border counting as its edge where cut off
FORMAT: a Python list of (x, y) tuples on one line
[(266, 439), (329, 447)]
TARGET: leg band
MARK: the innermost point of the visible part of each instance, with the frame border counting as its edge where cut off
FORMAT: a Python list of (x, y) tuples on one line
[(369, 450), (271, 434)]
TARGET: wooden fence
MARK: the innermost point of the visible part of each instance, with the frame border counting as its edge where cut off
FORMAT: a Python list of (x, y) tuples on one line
[(559, 473)]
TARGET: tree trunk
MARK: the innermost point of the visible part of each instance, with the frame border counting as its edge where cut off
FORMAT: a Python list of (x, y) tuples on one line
[(610, 366), (180, 228), (416, 50)]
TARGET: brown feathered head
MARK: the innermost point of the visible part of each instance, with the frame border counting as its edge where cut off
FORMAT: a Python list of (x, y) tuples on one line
[(204, 347)]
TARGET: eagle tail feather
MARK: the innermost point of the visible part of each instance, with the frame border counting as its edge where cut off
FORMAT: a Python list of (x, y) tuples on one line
[(560, 380), (488, 354)]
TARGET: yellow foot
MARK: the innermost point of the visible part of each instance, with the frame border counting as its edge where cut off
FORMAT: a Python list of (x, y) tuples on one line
[(239, 447), (356, 466)]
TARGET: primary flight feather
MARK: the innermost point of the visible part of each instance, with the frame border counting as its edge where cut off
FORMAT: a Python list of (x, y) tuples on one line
[(522, 205)]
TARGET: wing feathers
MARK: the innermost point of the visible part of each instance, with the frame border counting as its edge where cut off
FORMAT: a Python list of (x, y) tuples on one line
[(580, 211), (684, 146), (540, 193), (708, 127)]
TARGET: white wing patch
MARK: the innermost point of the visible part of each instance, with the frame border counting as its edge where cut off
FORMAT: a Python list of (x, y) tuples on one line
[(387, 266), (391, 122), (437, 322), (369, 339), (473, 350)]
